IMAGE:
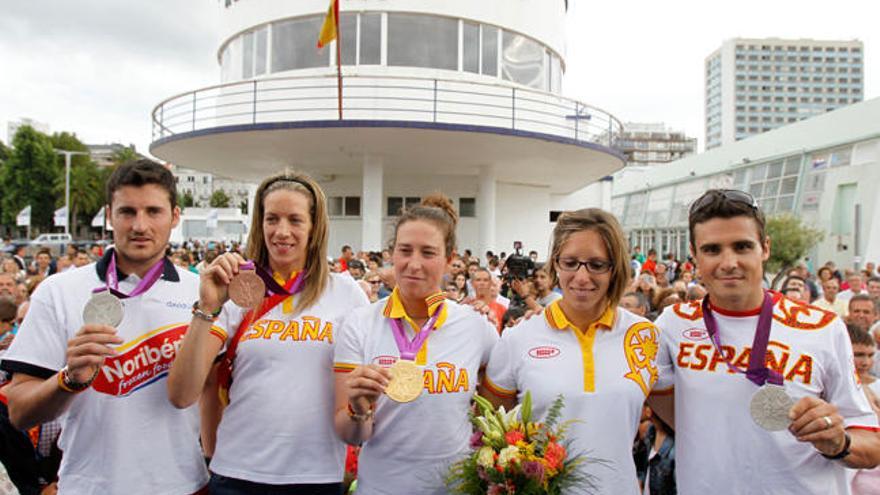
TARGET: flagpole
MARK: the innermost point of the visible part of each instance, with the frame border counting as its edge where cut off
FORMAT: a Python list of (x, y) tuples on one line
[(338, 58)]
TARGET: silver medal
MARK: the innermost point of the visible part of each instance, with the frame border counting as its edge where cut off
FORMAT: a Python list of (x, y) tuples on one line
[(103, 308), (770, 406)]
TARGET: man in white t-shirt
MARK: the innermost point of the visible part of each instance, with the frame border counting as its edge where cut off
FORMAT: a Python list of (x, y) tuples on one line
[(120, 434), (718, 444)]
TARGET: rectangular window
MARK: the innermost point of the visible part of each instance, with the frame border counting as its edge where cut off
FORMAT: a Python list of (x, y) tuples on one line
[(394, 205), (522, 60), (348, 36), (489, 50), (422, 41), (334, 206), (467, 207), (371, 39), (247, 59), (470, 47), (262, 42), (293, 44), (352, 206)]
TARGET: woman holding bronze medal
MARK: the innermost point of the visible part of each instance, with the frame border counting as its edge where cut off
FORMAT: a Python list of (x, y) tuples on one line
[(409, 365), (277, 316), (599, 357)]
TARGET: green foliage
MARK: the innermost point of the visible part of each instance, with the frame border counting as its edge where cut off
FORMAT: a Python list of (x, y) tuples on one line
[(185, 200), (219, 199), (4, 152), (790, 240), (28, 177), (124, 155), (87, 180)]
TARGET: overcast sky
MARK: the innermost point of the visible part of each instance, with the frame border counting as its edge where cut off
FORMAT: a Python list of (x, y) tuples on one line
[(98, 67)]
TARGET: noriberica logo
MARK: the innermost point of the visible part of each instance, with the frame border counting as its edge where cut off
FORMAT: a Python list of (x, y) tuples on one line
[(140, 362), (544, 352)]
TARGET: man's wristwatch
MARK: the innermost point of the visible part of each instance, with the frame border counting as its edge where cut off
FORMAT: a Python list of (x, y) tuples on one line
[(68, 384), (847, 442)]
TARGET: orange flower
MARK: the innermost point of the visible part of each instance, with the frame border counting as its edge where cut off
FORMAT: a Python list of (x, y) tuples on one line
[(554, 454), (514, 436)]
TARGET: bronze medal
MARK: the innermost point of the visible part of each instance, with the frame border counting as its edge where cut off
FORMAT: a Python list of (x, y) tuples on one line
[(247, 289)]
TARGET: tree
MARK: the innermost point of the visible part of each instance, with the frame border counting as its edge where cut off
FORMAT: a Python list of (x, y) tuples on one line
[(86, 180), (123, 155), (185, 200), (4, 152), (790, 240), (219, 199), (28, 178)]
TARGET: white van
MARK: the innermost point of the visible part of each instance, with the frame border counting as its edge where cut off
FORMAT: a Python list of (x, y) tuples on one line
[(55, 242)]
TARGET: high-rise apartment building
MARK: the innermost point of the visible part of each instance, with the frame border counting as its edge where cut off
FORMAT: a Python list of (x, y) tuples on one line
[(653, 144), (755, 85)]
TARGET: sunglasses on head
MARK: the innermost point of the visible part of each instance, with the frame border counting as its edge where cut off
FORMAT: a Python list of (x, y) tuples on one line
[(733, 195)]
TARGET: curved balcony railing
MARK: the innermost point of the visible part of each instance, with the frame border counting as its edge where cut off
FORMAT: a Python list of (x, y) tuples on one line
[(441, 101)]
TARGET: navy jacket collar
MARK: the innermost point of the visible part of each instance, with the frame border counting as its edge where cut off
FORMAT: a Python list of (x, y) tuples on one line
[(169, 272)]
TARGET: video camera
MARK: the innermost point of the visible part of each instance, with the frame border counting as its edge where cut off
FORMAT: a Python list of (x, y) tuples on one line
[(517, 265)]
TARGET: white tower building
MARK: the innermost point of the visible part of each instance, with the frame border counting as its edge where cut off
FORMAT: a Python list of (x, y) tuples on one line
[(457, 96)]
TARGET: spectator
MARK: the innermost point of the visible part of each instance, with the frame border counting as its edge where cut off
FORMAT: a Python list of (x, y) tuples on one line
[(81, 259), (347, 255), (854, 286), (512, 316), (375, 282), (795, 288), (635, 302), (650, 265), (356, 269), (696, 292), (866, 481), (7, 286), (43, 265), (862, 311), (19, 258), (485, 297), (660, 276), (829, 300), (461, 285), (874, 288), (8, 326)]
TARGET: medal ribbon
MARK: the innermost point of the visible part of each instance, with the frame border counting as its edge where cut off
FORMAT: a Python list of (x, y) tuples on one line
[(409, 348), (112, 279), (273, 288), (758, 373)]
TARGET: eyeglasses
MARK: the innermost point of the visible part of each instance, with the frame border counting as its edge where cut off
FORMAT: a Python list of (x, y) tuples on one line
[(733, 195), (375, 282), (593, 265)]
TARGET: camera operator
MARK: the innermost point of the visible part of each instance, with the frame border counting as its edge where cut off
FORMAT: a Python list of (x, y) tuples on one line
[(518, 270)]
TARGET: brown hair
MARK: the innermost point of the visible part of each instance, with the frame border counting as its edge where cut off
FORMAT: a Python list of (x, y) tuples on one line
[(139, 173), (317, 271), (715, 203), (859, 336), (608, 228), (437, 209)]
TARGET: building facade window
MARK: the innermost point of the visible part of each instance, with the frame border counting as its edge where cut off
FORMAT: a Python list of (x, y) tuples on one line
[(344, 206), (467, 207)]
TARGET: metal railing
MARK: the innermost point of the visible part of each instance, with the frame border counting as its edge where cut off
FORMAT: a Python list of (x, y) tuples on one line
[(442, 101)]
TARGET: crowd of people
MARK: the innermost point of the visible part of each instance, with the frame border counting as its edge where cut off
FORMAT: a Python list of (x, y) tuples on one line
[(201, 386)]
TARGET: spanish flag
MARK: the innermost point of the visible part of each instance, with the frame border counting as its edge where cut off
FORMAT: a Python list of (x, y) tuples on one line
[(330, 29)]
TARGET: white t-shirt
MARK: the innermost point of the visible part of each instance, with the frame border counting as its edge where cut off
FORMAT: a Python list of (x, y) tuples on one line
[(278, 426), (604, 375), (717, 442), (122, 435), (414, 444)]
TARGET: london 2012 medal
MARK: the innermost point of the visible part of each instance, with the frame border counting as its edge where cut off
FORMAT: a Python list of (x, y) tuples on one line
[(247, 289), (769, 408), (103, 308), (406, 381)]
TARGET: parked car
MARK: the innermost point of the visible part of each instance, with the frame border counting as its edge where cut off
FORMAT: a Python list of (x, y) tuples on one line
[(57, 243)]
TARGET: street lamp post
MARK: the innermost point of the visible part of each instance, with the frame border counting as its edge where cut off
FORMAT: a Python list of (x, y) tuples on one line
[(67, 154)]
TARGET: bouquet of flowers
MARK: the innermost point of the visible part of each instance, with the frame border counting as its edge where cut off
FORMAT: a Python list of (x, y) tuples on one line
[(513, 455)]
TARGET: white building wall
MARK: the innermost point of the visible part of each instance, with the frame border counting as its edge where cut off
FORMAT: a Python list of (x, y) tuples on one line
[(728, 92), (523, 214)]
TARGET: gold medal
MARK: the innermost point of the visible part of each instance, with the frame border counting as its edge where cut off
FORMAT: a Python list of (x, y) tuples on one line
[(406, 382)]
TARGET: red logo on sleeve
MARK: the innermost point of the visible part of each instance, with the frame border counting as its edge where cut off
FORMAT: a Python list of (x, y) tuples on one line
[(142, 364)]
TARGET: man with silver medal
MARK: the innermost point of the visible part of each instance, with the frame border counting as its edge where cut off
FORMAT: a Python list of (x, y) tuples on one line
[(719, 417)]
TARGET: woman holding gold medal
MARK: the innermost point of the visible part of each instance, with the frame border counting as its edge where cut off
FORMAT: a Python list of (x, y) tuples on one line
[(599, 357), (409, 365), (279, 328)]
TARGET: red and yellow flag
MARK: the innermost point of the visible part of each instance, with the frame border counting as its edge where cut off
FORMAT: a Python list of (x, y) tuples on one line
[(330, 29)]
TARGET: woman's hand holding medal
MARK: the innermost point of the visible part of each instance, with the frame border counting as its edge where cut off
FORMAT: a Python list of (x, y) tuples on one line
[(215, 280), (365, 385)]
